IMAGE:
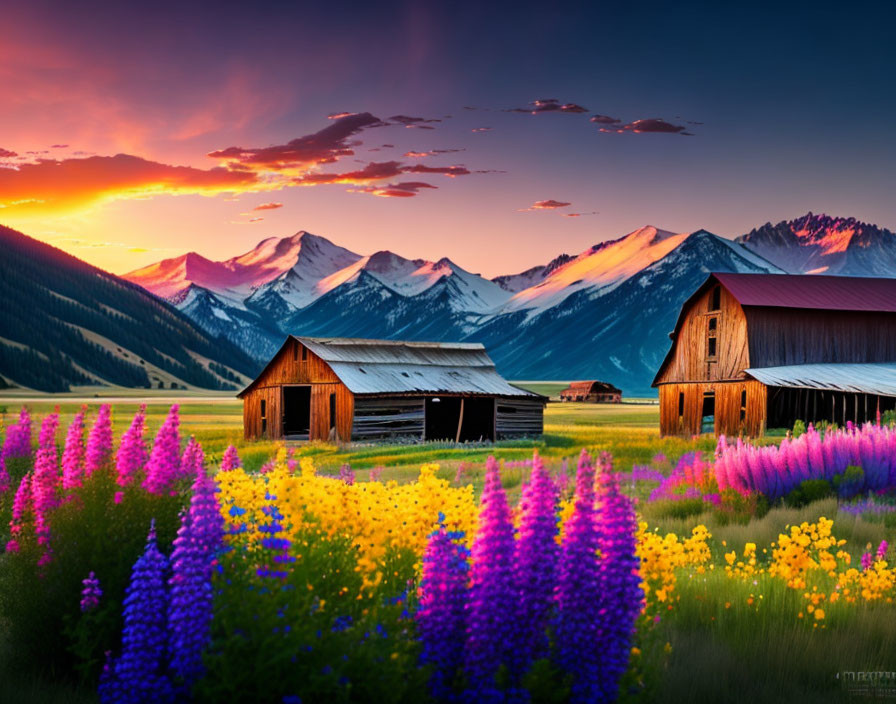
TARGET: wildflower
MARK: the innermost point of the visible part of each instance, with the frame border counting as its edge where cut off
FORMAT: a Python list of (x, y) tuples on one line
[(99, 442), (231, 459), (490, 617), (535, 564), (136, 677), (190, 610), (45, 482), (90, 593), (192, 463), (21, 505), (346, 474), (882, 550), (5, 479), (440, 615), (118, 498), (73, 456), (18, 437), (164, 460), (132, 454)]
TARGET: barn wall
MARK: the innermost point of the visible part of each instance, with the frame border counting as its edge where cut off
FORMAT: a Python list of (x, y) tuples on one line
[(728, 397), (287, 368), (516, 417), (689, 359), (387, 416), (783, 336)]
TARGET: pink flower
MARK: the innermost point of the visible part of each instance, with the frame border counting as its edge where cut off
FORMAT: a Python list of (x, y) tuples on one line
[(164, 461), (45, 482), (119, 496), (192, 463), (132, 454), (99, 443), (73, 456), (231, 459)]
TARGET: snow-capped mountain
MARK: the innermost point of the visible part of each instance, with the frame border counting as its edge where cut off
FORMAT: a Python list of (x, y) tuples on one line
[(604, 313), (819, 244)]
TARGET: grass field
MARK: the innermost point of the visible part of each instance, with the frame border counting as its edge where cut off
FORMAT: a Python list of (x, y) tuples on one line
[(723, 641)]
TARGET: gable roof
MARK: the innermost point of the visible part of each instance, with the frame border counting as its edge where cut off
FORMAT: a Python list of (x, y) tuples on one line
[(811, 291), (587, 387), (802, 291), (399, 367)]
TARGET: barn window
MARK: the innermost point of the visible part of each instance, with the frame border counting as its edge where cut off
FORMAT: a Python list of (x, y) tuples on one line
[(743, 404), (304, 353), (332, 411), (264, 416), (712, 331), (716, 301), (680, 405), (295, 353)]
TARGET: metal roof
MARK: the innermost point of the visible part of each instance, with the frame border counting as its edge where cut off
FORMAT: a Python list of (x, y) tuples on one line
[(812, 291), (879, 378), (398, 367)]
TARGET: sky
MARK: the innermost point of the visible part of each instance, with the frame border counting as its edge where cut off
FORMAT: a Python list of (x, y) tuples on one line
[(497, 134)]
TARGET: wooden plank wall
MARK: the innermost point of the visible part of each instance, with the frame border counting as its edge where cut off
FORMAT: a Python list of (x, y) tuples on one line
[(728, 396), (288, 368), (689, 361), (782, 336), (519, 417), (388, 416)]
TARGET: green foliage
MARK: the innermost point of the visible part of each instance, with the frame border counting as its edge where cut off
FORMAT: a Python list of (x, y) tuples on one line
[(850, 482), (737, 508), (808, 491), (320, 633), (39, 606), (677, 508), (799, 427), (888, 417)]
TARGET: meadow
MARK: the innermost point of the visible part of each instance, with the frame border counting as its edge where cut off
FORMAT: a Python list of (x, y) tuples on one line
[(745, 600)]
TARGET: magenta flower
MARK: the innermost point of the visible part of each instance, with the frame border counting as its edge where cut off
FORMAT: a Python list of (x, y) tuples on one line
[(375, 474), (90, 593), (5, 479), (45, 482), (231, 459), (99, 442), (21, 507), (882, 549), (18, 437), (119, 497), (347, 474), (491, 624), (440, 614), (132, 454), (73, 456), (192, 462), (866, 561), (535, 566), (164, 461)]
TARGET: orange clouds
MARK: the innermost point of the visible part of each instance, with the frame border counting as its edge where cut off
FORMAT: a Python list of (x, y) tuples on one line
[(268, 206), (50, 185), (549, 204), (405, 189)]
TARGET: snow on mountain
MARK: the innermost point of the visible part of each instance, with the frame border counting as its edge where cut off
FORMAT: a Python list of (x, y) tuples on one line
[(170, 277), (816, 244), (514, 283), (604, 266)]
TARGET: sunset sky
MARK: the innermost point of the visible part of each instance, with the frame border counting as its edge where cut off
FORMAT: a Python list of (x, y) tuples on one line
[(497, 134)]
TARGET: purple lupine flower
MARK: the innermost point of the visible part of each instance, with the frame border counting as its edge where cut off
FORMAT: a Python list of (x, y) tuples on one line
[(190, 610), (45, 481), (866, 561), (90, 593), (231, 459), (99, 442), (620, 596), (440, 614), (18, 437), (274, 542), (490, 613), (5, 479), (192, 462), (132, 455), (578, 591), (21, 506), (882, 549), (137, 676), (347, 474), (73, 455), (535, 565), (164, 460)]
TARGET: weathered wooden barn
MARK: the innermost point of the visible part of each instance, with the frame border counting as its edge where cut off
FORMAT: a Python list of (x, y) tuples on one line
[(351, 389), (591, 392), (757, 351)]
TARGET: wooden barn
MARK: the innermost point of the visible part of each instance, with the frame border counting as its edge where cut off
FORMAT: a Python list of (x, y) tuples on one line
[(757, 351), (350, 389), (591, 392)]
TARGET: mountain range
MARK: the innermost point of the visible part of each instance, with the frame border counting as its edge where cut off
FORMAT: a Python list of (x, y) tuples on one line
[(603, 313), (66, 323)]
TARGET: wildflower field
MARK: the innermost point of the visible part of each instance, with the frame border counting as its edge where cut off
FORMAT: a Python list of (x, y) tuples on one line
[(148, 554)]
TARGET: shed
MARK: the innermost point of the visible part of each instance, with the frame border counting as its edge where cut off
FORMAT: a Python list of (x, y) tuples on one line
[(757, 351), (591, 392), (355, 389)]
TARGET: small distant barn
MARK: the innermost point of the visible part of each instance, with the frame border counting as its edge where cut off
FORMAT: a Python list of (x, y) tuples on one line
[(757, 351), (353, 389), (591, 392)]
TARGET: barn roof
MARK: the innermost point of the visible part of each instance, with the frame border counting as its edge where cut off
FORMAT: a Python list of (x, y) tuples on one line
[(398, 367), (811, 291), (591, 387), (879, 378)]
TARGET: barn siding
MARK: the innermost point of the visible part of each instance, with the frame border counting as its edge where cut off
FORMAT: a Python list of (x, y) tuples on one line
[(689, 362), (288, 368), (728, 396), (388, 416), (516, 417), (785, 336)]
